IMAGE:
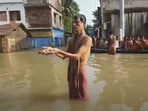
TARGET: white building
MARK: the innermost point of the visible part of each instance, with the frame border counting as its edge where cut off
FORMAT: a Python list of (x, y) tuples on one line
[(12, 10)]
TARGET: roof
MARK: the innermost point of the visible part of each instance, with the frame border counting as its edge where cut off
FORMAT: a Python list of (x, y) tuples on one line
[(8, 28)]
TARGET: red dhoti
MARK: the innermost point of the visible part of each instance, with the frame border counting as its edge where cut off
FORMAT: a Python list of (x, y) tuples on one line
[(77, 82)]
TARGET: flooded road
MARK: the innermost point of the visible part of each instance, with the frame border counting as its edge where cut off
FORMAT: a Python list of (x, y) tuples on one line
[(32, 82)]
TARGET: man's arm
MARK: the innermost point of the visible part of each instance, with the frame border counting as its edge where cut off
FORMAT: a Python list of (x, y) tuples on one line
[(84, 48), (66, 49)]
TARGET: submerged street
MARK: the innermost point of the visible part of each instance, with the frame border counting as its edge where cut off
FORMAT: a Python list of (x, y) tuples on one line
[(33, 82)]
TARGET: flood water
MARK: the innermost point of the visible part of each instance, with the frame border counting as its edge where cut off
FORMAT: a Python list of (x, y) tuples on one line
[(32, 82)]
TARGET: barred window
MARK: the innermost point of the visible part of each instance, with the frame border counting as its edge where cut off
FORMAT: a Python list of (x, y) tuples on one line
[(60, 19), (15, 15), (3, 16), (55, 18)]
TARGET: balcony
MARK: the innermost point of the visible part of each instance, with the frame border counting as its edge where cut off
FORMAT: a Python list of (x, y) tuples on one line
[(56, 4), (11, 1), (37, 2)]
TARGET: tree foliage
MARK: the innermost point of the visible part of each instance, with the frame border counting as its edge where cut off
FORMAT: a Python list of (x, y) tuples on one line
[(70, 8), (95, 13), (89, 30), (97, 17)]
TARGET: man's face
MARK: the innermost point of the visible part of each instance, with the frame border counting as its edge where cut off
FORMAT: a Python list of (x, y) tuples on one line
[(77, 25)]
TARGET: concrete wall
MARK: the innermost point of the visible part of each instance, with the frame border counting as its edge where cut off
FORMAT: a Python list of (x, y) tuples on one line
[(49, 13), (11, 1), (40, 42), (114, 4), (38, 17), (58, 23), (55, 3), (136, 23), (58, 37)]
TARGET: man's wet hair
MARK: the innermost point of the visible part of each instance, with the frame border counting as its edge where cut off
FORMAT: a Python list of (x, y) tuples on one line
[(82, 18)]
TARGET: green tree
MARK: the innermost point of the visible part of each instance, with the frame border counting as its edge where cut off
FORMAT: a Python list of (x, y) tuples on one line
[(97, 16), (89, 29), (70, 8)]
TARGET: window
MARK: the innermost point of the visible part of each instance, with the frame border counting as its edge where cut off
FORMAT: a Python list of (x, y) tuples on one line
[(55, 18), (3, 16), (15, 15), (60, 19)]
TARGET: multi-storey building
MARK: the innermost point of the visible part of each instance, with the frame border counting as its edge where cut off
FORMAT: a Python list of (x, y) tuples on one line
[(43, 18), (136, 17)]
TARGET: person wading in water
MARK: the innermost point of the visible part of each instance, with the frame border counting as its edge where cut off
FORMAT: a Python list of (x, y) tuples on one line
[(77, 50)]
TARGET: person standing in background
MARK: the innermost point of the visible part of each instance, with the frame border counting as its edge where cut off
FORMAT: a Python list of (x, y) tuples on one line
[(96, 36), (112, 44)]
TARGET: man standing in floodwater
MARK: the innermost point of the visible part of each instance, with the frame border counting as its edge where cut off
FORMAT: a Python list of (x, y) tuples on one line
[(77, 50), (96, 36), (112, 44)]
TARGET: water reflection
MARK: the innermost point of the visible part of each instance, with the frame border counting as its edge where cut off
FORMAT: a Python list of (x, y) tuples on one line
[(31, 82), (121, 74), (13, 85)]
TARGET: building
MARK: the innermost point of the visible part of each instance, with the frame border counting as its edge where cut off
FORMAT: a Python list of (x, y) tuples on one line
[(12, 10), (136, 17), (13, 37), (44, 19)]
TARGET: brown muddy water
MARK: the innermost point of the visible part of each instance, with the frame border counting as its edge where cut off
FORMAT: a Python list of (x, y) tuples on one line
[(32, 82)]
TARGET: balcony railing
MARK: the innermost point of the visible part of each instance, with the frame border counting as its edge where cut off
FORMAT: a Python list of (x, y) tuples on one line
[(11, 1), (37, 1)]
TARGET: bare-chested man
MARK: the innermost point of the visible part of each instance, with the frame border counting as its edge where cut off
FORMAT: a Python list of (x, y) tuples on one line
[(112, 45), (78, 51)]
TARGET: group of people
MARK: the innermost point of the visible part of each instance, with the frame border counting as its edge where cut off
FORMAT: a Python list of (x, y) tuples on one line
[(111, 43), (128, 43), (134, 44)]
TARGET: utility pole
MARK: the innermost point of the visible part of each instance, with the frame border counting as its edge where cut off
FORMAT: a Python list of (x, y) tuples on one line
[(122, 23), (102, 19)]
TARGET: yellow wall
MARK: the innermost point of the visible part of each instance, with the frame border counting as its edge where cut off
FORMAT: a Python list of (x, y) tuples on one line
[(42, 34)]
